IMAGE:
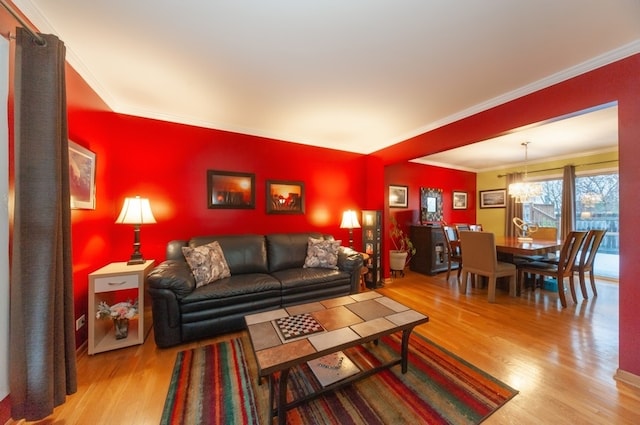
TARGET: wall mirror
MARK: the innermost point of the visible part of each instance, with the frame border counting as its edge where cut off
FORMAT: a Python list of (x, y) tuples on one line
[(430, 205)]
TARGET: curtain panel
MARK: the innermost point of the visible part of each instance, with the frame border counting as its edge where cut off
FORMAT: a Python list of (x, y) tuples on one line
[(568, 214), (42, 333)]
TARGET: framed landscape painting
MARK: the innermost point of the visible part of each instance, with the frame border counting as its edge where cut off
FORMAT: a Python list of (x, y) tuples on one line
[(398, 196), (228, 189), (285, 197), (496, 198), (459, 200), (82, 177)]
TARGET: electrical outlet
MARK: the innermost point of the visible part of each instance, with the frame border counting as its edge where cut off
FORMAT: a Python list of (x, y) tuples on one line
[(80, 322)]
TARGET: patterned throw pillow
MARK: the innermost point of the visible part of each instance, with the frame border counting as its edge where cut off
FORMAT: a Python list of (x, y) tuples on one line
[(322, 254), (207, 263)]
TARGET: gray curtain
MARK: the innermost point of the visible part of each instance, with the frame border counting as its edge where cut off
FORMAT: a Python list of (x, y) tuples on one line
[(513, 209), (42, 333), (568, 215)]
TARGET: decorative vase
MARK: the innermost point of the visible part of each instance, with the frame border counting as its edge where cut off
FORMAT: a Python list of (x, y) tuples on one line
[(397, 260), (122, 328)]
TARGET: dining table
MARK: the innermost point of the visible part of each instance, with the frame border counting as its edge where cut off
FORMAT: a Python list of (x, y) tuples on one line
[(509, 246)]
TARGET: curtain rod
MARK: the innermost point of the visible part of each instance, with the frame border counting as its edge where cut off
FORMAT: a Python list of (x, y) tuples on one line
[(560, 168), (41, 41)]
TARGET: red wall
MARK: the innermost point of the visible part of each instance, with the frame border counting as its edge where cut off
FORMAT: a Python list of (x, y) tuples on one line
[(415, 176)]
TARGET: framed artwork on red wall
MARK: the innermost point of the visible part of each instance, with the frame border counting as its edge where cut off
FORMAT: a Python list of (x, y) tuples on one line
[(459, 200), (82, 177), (398, 196), (285, 197), (229, 189)]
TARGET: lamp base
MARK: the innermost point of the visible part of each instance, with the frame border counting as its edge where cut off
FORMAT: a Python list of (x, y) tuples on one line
[(136, 258), (137, 261)]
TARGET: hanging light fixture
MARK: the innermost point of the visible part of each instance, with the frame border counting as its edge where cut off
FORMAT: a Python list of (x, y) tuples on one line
[(525, 191)]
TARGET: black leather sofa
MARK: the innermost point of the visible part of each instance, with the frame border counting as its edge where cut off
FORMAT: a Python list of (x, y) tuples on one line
[(266, 273)]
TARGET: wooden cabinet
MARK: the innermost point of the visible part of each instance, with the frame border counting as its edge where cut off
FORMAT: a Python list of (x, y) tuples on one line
[(114, 283), (431, 253), (372, 245)]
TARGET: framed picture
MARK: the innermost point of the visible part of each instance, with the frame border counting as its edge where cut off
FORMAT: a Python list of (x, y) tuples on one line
[(459, 200), (228, 189), (285, 197), (82, 177), (398, 196), (496, 198)]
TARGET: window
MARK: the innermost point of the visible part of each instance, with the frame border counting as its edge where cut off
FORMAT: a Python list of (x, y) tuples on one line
[(597, 207)]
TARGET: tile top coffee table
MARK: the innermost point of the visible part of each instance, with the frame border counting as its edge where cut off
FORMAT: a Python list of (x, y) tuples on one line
[(284, 338)]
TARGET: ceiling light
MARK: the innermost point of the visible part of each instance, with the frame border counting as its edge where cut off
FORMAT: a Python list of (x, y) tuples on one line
[(525, 191)]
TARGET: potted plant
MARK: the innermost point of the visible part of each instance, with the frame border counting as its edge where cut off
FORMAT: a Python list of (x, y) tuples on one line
[(403, 248)]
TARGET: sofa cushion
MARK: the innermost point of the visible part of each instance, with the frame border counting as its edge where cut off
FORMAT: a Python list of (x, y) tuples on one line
[(301, 277), (244, 253), (255, 285), (207, 263), (322, 253), (288, 250)]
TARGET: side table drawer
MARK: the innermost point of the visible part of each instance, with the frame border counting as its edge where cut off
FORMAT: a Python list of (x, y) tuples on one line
[(116, 283)]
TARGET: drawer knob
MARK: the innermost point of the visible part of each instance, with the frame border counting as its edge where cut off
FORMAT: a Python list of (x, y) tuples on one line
[(116, 283)]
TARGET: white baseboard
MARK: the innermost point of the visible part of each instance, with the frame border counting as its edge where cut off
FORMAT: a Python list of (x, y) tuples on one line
[(627, 378)]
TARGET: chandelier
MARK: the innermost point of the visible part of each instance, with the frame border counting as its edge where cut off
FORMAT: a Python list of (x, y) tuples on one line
[(524, 192)]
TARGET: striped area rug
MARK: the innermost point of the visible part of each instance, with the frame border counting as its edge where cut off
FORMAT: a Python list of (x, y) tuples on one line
[(217, 384)]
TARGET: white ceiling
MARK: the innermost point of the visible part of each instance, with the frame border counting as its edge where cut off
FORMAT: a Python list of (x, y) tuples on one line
[(581, 134), (354, 75)]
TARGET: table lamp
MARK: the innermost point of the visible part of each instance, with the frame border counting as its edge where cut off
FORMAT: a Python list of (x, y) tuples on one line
[(350, 221), (136, 211)]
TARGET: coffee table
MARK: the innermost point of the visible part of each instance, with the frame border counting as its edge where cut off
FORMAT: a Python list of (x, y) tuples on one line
[(346, 321)]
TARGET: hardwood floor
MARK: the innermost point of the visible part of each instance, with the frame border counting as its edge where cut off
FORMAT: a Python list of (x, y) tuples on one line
[(561, 360)]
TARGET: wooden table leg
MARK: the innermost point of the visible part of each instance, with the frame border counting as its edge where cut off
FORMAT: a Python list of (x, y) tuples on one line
[(282, 397), (405, 349)]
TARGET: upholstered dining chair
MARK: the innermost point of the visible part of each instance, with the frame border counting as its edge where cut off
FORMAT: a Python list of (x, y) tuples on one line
[(479, 257), (561, 269), (462, 227), (453, 250), (584, 264)]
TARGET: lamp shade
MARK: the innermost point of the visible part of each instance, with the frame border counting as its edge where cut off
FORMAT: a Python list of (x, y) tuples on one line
[(136, 211), (349, 220)]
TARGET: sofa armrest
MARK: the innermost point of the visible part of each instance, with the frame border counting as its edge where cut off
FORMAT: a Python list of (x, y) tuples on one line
[(174, 275), (168, 283), (351, 261)]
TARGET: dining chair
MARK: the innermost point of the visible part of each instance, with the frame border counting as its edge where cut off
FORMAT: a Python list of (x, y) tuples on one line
[(479, 257), (560, 270), (461, 228), (453, 250), (545, 233), (542, 234), (588, 253)]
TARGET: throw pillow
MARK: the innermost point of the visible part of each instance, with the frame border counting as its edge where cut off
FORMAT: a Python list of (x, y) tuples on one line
[(322, 254), (207, 263)]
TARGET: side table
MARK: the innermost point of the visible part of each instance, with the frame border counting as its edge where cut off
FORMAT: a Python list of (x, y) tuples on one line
[(114, 283)]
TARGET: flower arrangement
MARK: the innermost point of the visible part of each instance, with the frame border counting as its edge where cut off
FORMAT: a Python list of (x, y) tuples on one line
[(121, 310)]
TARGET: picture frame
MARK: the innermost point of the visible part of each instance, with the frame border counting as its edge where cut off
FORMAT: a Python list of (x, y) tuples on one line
[(285, 197), (398, 196), (231, 190), (430, 205), (459, 200), (495, 198), (82, 177)]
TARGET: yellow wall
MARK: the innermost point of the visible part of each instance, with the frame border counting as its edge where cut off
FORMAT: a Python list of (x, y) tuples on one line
[(492, 219)]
